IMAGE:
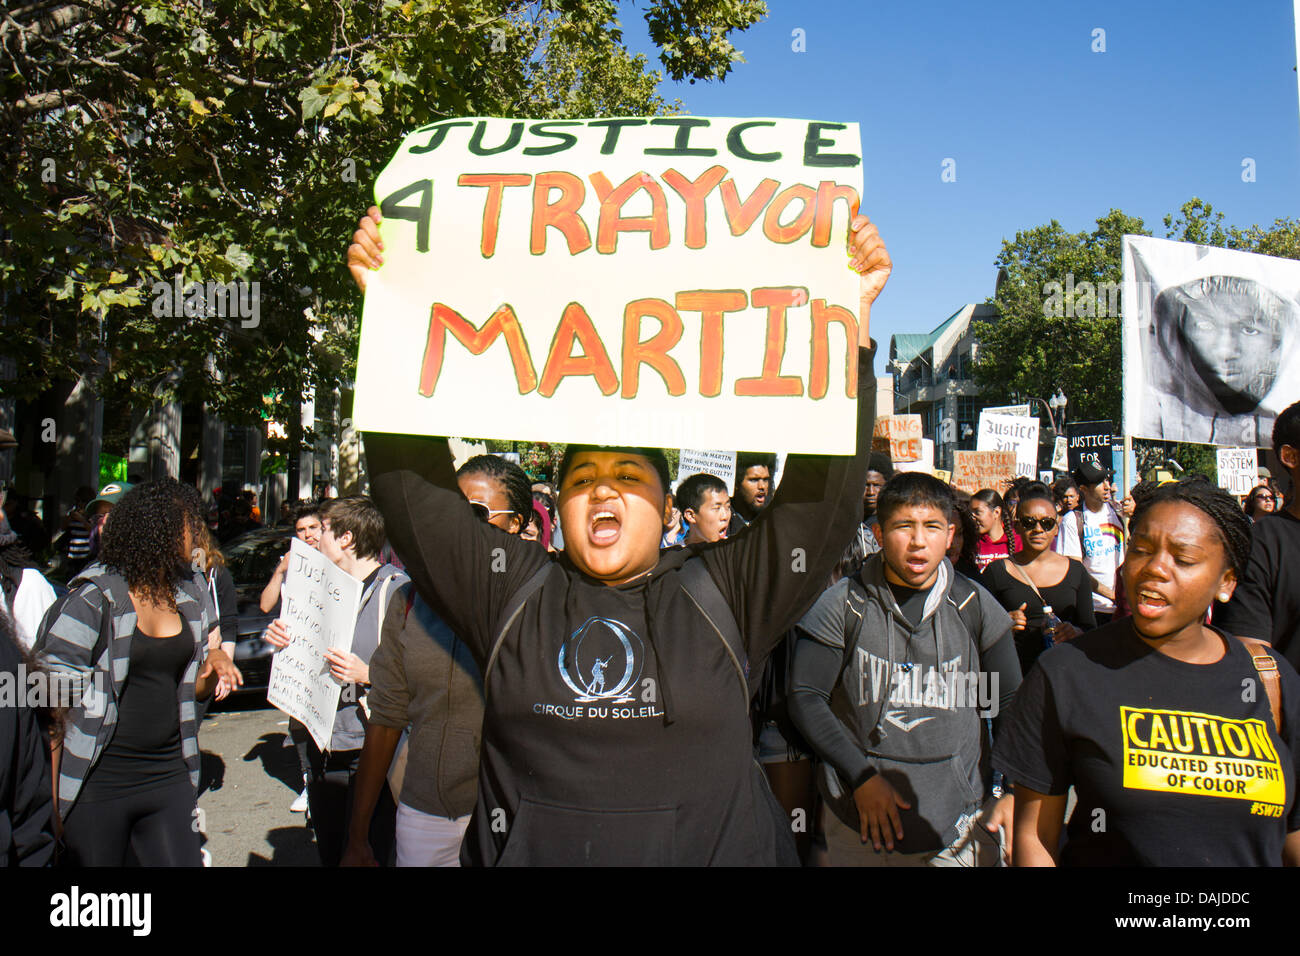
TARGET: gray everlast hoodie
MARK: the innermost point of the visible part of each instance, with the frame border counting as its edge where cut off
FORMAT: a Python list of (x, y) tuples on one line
[(906, 702)]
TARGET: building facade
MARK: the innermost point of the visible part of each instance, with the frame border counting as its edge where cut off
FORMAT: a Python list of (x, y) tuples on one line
[(934, 378)]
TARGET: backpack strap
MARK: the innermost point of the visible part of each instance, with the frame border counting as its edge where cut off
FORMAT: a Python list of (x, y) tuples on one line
[(1266, 667), (510, 612), (703, 592), (384, 585), (962, 595), (855, 603)]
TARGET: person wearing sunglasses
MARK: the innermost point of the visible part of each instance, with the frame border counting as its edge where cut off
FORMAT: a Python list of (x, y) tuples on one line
[(1262, 501), (423, 681), (1036, 578)]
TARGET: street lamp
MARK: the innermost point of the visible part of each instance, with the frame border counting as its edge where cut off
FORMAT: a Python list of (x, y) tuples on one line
[(1052, 406), (1058, 403)]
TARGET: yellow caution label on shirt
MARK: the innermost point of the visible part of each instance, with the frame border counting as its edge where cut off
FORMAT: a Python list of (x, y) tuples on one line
[(1179, 751)]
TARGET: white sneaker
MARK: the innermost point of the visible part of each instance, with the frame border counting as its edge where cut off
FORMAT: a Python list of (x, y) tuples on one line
[(299, 805), (207, 857)]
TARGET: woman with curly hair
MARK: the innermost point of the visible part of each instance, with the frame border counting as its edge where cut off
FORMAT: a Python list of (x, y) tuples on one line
[(134, 632)]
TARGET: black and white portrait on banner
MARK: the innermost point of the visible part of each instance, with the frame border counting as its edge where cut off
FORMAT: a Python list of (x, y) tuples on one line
[(1211, 342)]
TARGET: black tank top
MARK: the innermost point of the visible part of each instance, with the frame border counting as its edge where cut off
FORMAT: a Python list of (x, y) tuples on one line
[(146, 747)]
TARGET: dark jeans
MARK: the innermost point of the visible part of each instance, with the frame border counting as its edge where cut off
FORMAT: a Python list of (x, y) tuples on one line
[(330, 789)]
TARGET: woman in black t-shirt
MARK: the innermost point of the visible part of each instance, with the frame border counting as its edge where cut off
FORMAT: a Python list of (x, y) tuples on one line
[(1038, 577), (1173, 762)]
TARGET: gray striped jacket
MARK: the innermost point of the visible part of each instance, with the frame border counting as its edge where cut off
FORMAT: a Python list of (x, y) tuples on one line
[(66, 645)]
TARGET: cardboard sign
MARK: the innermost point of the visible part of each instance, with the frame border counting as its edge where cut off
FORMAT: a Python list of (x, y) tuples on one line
[(629, 281), (974, 470), (695, 461), (1238, 470), (1090, 441), (900, 435), (926, 462), (319, 606), (1011, 433), (942, 475)]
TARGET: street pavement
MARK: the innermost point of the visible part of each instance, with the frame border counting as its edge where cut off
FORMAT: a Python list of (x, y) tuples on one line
[(249, 779)]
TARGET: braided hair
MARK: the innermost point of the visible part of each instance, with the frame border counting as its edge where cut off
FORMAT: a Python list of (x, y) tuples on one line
[(514, 482), (1219, 506), (1010, 502)]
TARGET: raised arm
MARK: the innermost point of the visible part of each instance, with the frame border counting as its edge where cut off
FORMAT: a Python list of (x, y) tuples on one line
[(464, 567), (773, 571)]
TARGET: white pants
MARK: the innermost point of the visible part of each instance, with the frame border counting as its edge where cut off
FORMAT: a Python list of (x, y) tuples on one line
[(427, 840)]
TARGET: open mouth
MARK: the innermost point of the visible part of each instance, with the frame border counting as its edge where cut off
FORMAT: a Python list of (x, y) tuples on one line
[(605, 528), (1151, 603), (917, 565)]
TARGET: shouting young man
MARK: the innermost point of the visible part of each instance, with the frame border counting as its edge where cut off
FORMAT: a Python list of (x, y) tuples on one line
[(894, 672)]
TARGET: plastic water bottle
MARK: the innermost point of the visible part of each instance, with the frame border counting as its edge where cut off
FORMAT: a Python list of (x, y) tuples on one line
[(1050, 624)]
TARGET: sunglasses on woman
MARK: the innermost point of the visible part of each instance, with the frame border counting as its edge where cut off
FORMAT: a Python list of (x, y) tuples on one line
[(1028, 523), (486, 513), (1263, 498)]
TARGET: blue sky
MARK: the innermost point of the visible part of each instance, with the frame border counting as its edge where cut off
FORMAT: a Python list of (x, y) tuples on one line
[(1040, 126)]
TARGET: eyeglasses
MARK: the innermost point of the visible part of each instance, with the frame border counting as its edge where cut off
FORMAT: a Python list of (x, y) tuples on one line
[(1027, 523), (1264, 498), (486, 513)]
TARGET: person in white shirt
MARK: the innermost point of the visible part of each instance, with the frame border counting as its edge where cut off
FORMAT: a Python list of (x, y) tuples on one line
[(25, 593), (1095, 535)]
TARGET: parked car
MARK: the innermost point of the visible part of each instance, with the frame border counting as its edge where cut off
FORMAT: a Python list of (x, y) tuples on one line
[(252, 558)]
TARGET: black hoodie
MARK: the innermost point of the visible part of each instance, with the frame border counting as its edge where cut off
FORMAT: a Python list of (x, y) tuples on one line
[(614, 729)]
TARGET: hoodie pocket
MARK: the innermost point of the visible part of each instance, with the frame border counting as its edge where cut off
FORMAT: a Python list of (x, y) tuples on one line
[(544, 835), (939, 793)]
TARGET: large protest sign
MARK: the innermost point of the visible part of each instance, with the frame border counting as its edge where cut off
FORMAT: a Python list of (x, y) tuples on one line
[(1090, 441), (695, 461), (319, 606), (1211, 342), (617, 281), (974, 470), (1011, 433), (1238, 470), (899, 435)]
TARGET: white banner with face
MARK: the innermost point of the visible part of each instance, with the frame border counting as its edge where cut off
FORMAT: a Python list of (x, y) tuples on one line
[(1211, 342)]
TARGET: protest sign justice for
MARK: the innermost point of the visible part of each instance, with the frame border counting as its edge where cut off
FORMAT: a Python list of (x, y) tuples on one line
[(539, 275)]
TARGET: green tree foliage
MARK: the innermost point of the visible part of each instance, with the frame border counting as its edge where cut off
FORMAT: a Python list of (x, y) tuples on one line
[(238, 140), (1058, 325), (1047, 337)]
